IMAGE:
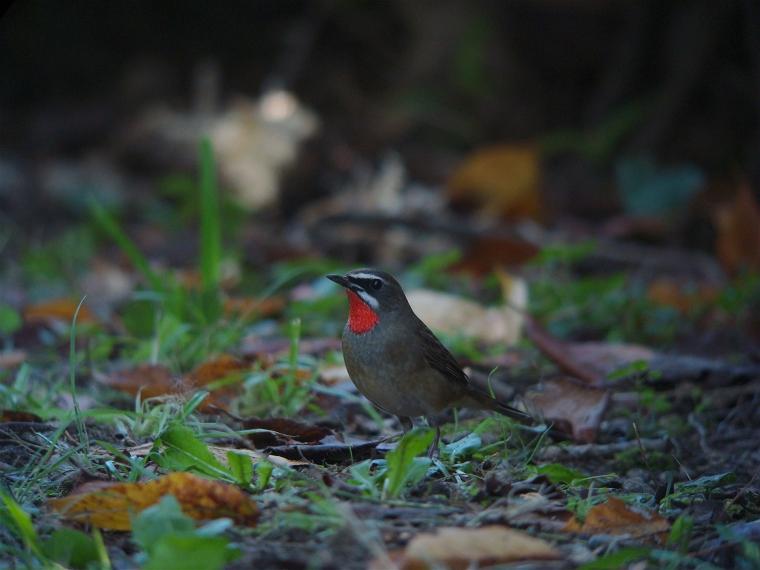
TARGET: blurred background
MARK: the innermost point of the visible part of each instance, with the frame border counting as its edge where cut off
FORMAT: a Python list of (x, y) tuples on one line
[(385, 132)]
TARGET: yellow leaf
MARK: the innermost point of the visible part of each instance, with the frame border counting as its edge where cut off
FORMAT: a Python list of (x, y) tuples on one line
[(110, 506), (503, 180)]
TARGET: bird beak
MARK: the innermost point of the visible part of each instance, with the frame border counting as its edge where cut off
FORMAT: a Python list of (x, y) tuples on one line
[(340, 280)]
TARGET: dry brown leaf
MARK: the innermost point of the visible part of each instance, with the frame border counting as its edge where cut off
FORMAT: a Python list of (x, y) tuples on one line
[(574, 408), (738, 225), (672, 294), (502, 180), (281, 431), (57, 310), (110, 505), (221, 367), (485, 254), (604, 358), (459, 548), (615, 517), (150, 380), (12, 358), (153, 380), (18, 416), (455, 315), (245, 308), (590, 362)]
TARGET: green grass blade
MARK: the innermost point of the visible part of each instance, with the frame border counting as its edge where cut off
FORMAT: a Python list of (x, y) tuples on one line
[(109, 224), (20, 521), (81, 429), (211, 239)]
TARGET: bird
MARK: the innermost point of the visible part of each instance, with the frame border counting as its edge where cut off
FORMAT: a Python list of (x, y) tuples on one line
[(397, 362)]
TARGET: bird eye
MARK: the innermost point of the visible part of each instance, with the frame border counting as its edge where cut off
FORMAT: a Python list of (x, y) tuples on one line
[(376, 284)]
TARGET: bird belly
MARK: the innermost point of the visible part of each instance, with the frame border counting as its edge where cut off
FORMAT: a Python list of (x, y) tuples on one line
[(389, 376)]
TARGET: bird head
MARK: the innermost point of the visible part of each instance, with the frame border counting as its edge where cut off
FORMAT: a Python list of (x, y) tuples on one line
[(372, 295)]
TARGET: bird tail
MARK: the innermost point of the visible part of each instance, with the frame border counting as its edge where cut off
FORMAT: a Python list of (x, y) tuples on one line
[(485, 401)]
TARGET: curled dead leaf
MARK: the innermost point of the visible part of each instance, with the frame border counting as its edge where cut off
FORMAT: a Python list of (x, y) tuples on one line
[(57, 310), (574, 408), (615, 517), (110, 506), (280, 431), (460, 548)]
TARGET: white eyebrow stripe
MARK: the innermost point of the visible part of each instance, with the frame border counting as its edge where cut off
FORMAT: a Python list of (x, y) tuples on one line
[(366, 276), (369, 299)]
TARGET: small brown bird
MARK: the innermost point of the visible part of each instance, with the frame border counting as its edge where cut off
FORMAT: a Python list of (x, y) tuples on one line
[(397, 362)]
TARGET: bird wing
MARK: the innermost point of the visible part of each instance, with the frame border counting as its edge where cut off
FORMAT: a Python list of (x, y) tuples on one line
[(439, 357)]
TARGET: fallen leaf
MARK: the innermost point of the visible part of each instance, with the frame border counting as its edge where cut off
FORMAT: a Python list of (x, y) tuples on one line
[(110, 506), (587, 361), (150, 380), (502, 180), (455, 315), (738, 226), (459, 548), (615, 517), (12, 358), (333, 375), (575, 409), (684, 299), (245, 308), (604, 358), (219, 368), (282, 431), (486, 253), (18, 416), (57, 310), (153, 380)]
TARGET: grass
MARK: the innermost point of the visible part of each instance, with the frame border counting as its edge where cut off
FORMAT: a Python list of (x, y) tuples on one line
[(167, 322)]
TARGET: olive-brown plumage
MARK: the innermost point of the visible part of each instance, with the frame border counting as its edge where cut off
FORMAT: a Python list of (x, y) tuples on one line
[(396, 361)]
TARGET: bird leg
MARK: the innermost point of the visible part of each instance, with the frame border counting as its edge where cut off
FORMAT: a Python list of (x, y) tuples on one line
[(406, 423), (435, 421), (433, 450)]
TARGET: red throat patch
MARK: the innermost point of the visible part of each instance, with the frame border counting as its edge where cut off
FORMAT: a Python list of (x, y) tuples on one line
[(361, 317)]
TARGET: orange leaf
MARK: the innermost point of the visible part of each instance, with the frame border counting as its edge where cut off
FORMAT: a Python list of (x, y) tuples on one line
[(502, 180), (218, 368), (110, 506), (57, 310), (457, 548), (738, 225), (615, 517)]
